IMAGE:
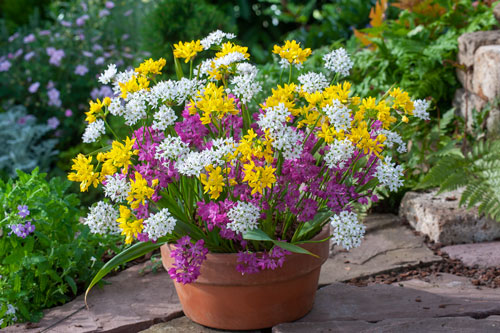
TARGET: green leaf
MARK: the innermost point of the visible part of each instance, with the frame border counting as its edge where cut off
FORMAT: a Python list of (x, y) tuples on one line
[(71, 283), (293, 248), (257, 235), (131, 253), (178, 68)]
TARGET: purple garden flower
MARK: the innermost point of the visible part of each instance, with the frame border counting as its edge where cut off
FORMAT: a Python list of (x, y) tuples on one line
[(81, 70), (29, 55), (188, 259), (66, 24), (22, 230), (109, 4), (13, 37), (55, 56), (53, 122), (99, 61), (54, 99), (68, 113), (23, 211), (104, 12), (81, 20), (88, 54), (5, 66), (44, 32), (29, 39), (33, 88)]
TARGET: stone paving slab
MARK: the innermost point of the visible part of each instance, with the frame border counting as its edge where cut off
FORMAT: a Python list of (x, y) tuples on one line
[(388, 245), (132, 302), (378, 302), (407, 325), (481, 254), (185, 325), (440, 217)]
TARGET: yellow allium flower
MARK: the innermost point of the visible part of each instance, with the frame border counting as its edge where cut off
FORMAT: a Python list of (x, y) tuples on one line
[(95, 108), (140, 191), (402, 100), (151, 67), (84, 172), (120, 154), (130, 228), (329, 133), (384, 114), (292, 52), (258, 178), (214, 183), (135, 84), (187, 50), (214, 100), (229, 47)]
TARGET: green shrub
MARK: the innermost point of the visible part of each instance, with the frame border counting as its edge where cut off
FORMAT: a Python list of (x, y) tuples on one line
[(53, 263)]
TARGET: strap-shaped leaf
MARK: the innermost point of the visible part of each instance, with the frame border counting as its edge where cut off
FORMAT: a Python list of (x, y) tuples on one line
[(259, 235)]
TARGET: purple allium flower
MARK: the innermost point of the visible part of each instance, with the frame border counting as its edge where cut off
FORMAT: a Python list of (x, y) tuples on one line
[(81, 70), (29, 55), (29, 39), (188, 259), (66, 24), (44, 32), (54, 97), (81, 20), (23, 211), (5, 66), (53, 122), (99, 61), (249, 263), (109, 4), (33, 88), (104, 12), (68, 113)]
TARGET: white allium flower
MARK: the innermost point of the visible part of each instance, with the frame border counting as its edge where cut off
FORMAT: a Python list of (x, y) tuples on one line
[(116, 107), (246, 68), (340, 152), (163, 118), (389, 174), (203, 68), (222, 148), (421, 106), (108, 74), (347, 230), (135, 109), (289, 141), (274, 118), (311, 82), (244, 217), (173, 91), (102, 219), (186, 88), (122, 77), (245, 87), (338, 61), (215, 38), (393, 138), (159, 224), (171, 148), (93, 131), (339, 115), (117, 187), (193, 163), (229, 59)]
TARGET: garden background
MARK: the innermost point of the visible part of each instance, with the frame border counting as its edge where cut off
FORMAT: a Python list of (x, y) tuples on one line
[(53, 51)]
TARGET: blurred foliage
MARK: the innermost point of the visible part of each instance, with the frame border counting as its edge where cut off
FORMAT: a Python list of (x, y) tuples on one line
[(17, 13)]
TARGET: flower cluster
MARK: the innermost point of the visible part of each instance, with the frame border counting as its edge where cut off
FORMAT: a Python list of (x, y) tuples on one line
[(24, 229), (208, 160)]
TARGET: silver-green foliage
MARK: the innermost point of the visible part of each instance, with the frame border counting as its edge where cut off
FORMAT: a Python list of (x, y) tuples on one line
[(25, 143)]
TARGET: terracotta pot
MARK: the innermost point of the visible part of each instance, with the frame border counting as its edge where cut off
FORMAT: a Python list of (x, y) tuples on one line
[(223, 298)]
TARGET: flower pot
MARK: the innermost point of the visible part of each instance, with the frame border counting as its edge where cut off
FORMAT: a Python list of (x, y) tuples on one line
[(223, 298)]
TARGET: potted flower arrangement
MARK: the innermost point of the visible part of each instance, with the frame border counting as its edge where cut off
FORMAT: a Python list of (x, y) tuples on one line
[(242, 195)]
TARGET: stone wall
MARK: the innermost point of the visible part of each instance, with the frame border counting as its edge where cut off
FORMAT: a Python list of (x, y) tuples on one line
[(479, 58)]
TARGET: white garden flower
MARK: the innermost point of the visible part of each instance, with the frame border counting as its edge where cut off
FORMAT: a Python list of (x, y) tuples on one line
[(221, 148), (311, 82), (93, 131), (274, 118), (116, 107), (229, 59), (338, 61), (203, 68), (340, 152), (246, 68), (339, 115), (122, 77), (173, 91), (215, 38), (193, 163), (421, 106), (163, 118), (284, 63), (108, 75), (389, 174), (392, 139), (245, 87), (347, 230), (244, 217), (289, 141), (159, 224), (135, 109), (102, 219), (171, 148), (117, 187)]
